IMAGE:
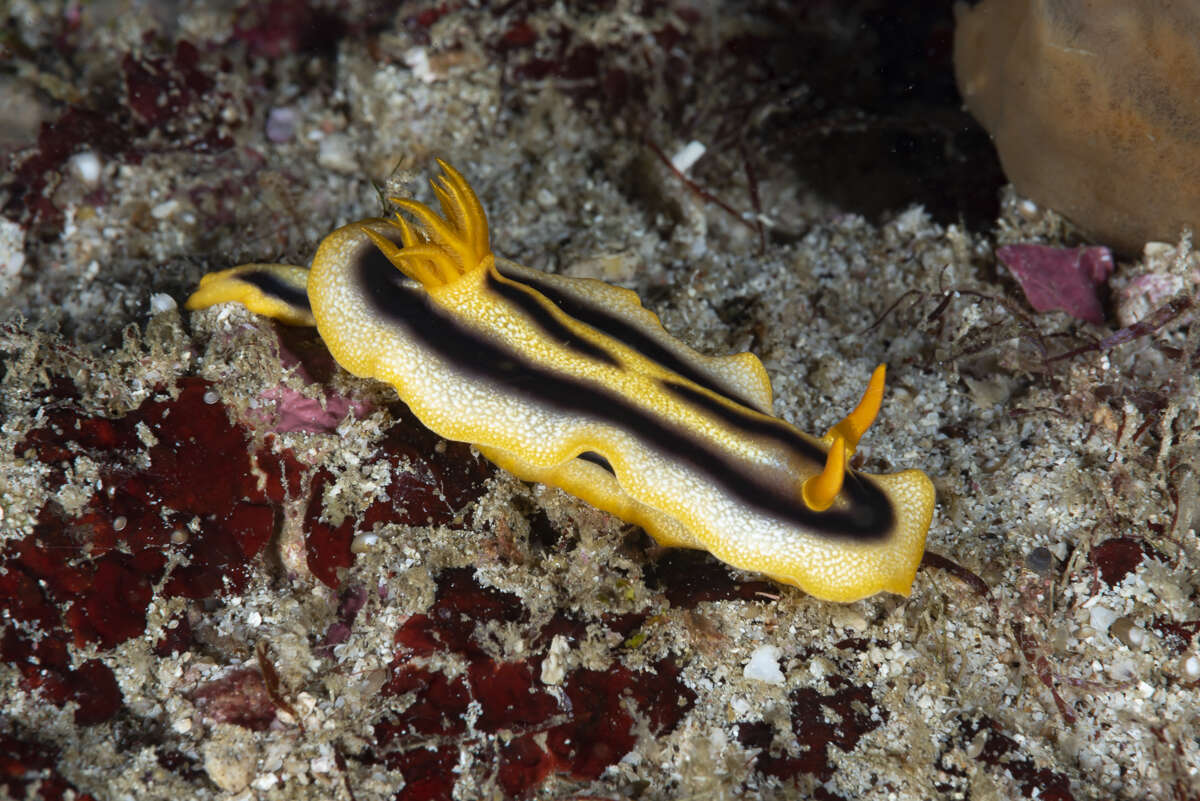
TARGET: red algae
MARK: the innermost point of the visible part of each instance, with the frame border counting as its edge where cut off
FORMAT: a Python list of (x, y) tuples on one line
[(440, 706), (1118, 557), (170, 93), (580, 732), (175, 479), (444, 478), (996, 749), (1177, 635), (30, 770), (450, 624), (819, 720), (428, 774), (176, 639), (280, 27), (688, 578), (158, 89), (327, 547), (29, 191)]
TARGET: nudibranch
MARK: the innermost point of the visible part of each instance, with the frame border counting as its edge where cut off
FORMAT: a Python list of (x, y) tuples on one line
[(572, 382)]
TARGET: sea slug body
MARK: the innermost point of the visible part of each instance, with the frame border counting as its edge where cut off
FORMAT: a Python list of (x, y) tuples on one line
[(572, 382)]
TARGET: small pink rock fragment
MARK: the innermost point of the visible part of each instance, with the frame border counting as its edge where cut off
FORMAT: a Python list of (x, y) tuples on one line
[(1060, 279)]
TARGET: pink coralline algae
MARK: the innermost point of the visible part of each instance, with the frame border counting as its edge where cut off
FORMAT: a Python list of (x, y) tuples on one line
[(1060, 279), (283, 409)]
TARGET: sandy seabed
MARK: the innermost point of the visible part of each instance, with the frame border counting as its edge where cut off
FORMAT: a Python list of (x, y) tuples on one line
[(228, 569)]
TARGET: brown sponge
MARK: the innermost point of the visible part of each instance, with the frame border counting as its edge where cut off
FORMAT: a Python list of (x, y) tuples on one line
[(1094, 106)]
